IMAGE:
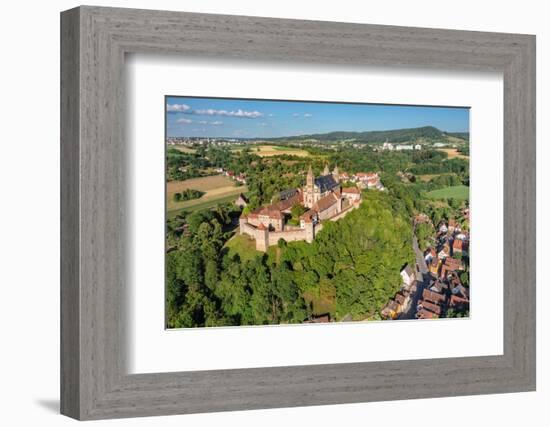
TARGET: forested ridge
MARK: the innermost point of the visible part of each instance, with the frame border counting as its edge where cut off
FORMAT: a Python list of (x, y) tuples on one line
[(380, 136), (353, 264)]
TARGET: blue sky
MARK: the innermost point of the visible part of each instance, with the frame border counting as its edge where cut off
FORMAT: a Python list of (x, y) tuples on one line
[(241, 118)]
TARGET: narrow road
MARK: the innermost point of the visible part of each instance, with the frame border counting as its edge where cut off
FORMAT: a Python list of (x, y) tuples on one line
[(422, 281)]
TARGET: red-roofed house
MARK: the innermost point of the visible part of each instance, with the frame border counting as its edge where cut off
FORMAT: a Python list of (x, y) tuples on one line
[(460, 246), (450, 265), (434, 297), (352, 193)]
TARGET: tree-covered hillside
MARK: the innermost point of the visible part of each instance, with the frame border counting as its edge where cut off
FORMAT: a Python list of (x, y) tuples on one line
[(353, 265), (380, 136)]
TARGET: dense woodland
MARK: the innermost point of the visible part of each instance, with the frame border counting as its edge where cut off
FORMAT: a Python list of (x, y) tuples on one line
[(353, 264), (378, 137)]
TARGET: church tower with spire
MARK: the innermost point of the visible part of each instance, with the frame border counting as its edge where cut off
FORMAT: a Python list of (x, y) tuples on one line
[(336, 174), (310, 188), (326, 171)]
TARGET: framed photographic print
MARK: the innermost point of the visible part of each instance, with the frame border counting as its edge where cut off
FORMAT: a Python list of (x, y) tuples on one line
[(249, 179), (303, 204)]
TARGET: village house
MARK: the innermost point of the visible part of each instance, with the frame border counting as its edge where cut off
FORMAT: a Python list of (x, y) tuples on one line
[(408, 276), (322, 318), (434, 297), (434, 266), (241, 201), (460, 246), (427, 305), (438, 286), (241, 178), (391, 310), (429, 254), (458, 303), (370, 180), (401, 299), (444, 250), (453, 226), (425, 314), (397, 305), (450, 265), (352, 193), (461, 291)]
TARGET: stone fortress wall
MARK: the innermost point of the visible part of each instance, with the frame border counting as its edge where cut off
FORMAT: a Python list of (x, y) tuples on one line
[(265, 238)]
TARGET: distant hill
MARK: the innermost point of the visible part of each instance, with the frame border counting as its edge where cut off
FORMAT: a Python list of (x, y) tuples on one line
[(380, 136), (462, 135)]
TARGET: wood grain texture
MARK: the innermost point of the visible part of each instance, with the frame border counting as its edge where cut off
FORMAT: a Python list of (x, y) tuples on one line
[(94, 381), (70, 297)]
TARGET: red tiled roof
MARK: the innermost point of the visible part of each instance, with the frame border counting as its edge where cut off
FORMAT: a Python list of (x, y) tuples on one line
[(452, 264), (352, 190), (307, 216), (400, 298), (325, 203), (433, 296), (431, 306), (457, 300), (288, 203), (425, 314), (266, 211), (324, 318), (460, 245)]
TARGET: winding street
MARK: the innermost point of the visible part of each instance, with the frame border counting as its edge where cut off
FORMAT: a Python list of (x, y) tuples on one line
[(422, 281)]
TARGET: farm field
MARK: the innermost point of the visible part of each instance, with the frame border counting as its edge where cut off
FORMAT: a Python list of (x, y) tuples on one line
[(429, 177), (453, 153), (184, 149), (274, 150), (217, 189), (460, 192), (454, 139)]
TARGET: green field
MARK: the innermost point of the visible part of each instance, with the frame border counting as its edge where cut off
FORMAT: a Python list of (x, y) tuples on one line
[(282, 148), (459, 192), (207, 204), (242, 245)]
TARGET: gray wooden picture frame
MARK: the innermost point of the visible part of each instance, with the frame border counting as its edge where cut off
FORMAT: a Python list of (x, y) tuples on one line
[(94, 41)]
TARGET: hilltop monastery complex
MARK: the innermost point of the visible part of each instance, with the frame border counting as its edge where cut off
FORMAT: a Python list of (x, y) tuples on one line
[(322, 196)]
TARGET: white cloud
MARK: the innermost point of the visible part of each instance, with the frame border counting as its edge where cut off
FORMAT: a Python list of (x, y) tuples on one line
[(308, 115), (184, 121), (206, 122), (296, 115), (236, 113), (177, 108)]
